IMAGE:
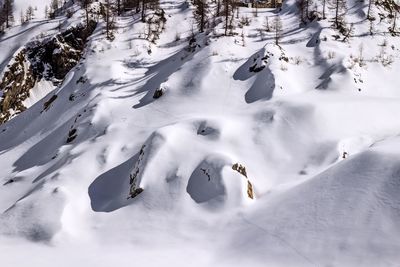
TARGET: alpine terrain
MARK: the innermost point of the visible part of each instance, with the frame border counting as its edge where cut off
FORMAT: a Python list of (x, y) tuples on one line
[(199, 133)]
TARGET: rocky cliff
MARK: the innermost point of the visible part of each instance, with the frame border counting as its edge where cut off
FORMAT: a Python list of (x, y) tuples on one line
[(50, 59)]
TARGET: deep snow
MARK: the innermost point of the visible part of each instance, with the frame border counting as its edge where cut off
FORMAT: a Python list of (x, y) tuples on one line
[(290, 125)]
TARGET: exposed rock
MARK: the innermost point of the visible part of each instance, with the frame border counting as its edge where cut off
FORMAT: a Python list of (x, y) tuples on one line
[(9, 181), (15, 85), (158, 93), (47, 104), (254, 68), (136, 192), (242, 170), (250, 192), (50, 59), (134, 188)]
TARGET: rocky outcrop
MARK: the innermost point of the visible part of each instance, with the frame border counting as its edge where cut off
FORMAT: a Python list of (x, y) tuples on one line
[(50, 59), (133, 177), (15, 86), (242, 170)]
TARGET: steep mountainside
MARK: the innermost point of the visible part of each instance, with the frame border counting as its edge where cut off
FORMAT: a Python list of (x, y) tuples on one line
[(274, 145)]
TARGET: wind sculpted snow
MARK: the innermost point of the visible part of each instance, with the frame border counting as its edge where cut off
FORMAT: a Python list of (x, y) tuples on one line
[(222, 149)]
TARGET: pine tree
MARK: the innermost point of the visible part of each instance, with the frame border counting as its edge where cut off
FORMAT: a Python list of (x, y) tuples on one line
[(228, 9), (200, 13), (339, 7), (54, 5), (53, 9), (29, 13)]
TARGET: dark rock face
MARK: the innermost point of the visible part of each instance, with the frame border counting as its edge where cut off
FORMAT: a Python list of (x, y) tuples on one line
[(50, 59), (15, 85), (158, 93)]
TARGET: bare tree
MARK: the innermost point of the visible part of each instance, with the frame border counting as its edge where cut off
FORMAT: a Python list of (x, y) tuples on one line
[(107, 10), (348, 31), (277, 29), (86, 6), (305, 9), (46, 11), (370, 3), (396, 6), (267, 28), (22, 17), (339, 6), (143, 15), (29, 13)]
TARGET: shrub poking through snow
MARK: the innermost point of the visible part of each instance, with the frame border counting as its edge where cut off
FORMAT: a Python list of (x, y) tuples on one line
[(242, 170)]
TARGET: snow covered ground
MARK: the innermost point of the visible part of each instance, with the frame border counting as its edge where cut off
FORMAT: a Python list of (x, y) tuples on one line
[(39, 7), (318, 134)]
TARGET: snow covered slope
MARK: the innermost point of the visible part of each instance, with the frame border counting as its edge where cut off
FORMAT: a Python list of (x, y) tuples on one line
[(313, 121)]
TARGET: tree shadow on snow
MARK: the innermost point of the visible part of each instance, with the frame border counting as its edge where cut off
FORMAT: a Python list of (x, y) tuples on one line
[(160, 72), (243, 73), (264, 83)]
